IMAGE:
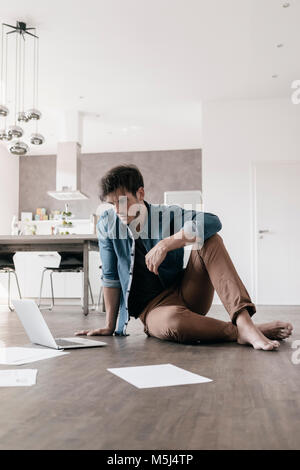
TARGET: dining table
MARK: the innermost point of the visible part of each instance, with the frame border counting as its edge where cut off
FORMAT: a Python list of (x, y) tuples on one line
[(66, 243)]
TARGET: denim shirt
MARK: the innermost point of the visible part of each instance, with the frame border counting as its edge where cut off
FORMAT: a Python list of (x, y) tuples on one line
[(117, 246)]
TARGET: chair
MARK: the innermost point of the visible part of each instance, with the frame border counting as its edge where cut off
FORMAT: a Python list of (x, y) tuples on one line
[(7, 266), (69, 263)]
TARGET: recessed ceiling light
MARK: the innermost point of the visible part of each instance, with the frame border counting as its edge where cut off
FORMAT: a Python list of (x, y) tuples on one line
[(286, 5), (275, 76)]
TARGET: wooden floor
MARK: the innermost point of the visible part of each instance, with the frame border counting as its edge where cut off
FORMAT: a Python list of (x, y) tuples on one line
[(252, 403)]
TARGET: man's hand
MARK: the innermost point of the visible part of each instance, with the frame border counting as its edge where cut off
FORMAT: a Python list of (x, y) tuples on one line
[(155, 256), (99, 332)]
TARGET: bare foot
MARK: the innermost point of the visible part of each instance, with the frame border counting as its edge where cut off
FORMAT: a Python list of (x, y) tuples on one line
[(276, 329), (248, 333)]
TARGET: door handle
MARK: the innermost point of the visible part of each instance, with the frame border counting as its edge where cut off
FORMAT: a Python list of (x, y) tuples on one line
[(263, 231)]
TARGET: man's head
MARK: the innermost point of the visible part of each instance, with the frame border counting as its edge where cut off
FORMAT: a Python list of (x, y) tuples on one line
[(123, 187)]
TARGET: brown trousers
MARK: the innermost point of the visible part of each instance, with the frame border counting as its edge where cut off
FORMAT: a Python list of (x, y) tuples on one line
[(178, 313)]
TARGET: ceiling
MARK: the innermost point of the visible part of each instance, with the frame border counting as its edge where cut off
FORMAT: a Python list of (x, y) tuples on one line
[(138, 70)]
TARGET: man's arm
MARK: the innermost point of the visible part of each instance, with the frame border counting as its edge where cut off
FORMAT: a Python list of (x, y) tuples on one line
[(196, 228), (112, 302), (110, 282), (157, 254)]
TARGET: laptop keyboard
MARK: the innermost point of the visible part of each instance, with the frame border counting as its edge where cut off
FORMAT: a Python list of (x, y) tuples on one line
[(62, 342)]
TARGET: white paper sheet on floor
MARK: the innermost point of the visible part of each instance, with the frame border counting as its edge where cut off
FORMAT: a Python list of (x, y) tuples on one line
[(18, 378), (17, 356), (160, 375)]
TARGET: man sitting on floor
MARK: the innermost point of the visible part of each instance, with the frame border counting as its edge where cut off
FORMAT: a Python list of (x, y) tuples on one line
[(141, 248)]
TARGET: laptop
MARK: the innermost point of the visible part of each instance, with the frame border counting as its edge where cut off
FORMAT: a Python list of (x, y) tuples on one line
[(39, 333)]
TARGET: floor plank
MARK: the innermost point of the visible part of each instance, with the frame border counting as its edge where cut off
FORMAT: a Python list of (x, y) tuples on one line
[(252, 403)]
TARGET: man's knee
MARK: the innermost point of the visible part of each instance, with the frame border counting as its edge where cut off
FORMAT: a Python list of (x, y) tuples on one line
[(175, 325), (168, 325), (173, 318), (211, 244)]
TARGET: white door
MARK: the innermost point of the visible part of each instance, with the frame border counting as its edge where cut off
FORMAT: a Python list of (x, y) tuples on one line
[(277, 195)]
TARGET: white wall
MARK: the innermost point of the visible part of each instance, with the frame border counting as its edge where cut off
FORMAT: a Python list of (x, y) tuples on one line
[(234, 135), (9, 189)]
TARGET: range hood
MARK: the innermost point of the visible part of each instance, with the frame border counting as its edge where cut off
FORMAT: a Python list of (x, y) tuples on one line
[(68, 173)]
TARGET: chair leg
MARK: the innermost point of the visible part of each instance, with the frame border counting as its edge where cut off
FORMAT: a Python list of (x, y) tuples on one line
[(17, 282), (92, 298), (82, 288), (91, 294), (41, 289), (9, 293), (52, 291)]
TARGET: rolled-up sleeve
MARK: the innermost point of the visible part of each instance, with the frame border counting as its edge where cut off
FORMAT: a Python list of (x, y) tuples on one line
[(200, 224), (212, 225), (109, 262)]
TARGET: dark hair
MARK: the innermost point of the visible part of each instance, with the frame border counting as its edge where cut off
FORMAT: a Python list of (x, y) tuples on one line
[(127, 177)]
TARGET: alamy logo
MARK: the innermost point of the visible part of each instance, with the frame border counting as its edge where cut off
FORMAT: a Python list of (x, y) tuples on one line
[(161, 221), (296, 94), (296, 354)]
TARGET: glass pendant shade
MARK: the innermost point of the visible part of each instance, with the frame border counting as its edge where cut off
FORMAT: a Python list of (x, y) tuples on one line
[(15, 131), (5, 136), (3, 110), (22, 117), (19, 68), (2, 134), (34, 114), (37, 139), (18, 148)]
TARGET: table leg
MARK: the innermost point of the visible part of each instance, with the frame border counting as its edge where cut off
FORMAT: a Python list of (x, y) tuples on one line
[(85, 277)]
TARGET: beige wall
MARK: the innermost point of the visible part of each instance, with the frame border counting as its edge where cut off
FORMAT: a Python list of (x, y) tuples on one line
[(167, 170)]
